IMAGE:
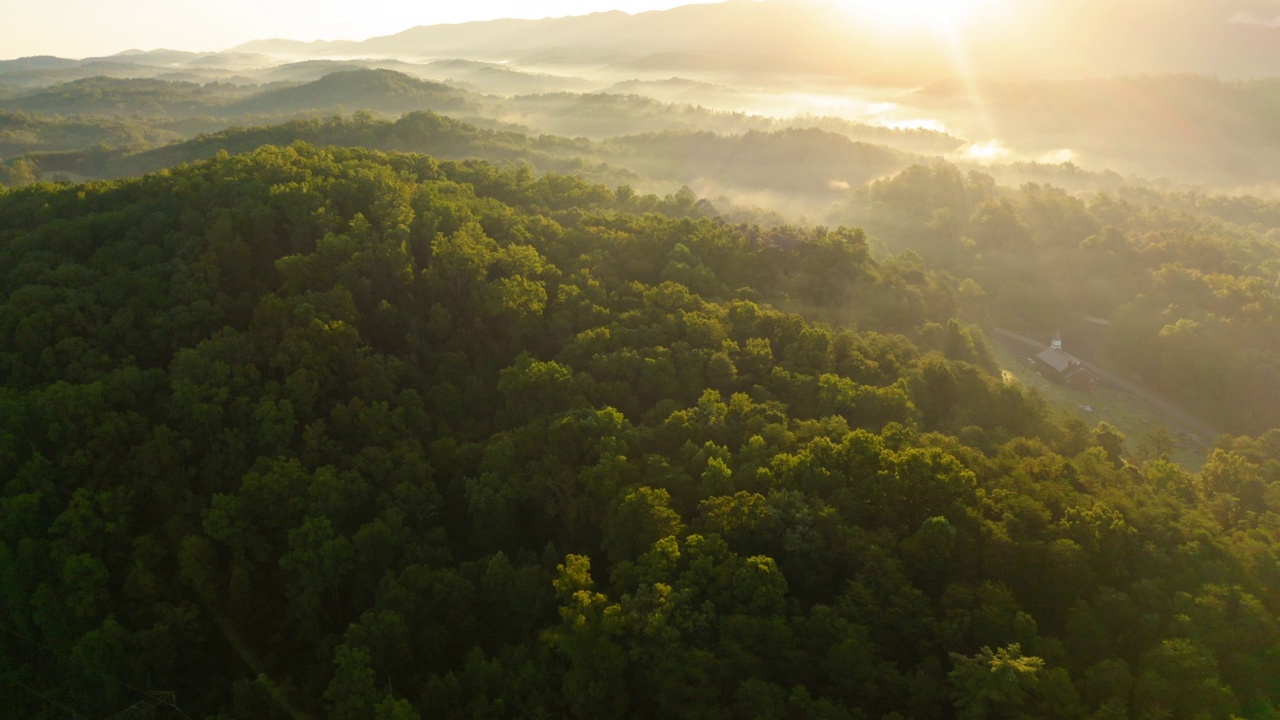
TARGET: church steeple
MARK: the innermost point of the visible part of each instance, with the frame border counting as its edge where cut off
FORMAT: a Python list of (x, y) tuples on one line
[(1057, 341)]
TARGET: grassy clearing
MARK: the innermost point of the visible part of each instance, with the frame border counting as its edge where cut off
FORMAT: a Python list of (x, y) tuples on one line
[(1129, 414)]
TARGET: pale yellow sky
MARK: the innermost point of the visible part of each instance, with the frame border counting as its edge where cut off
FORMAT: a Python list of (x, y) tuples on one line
[(86, 28)]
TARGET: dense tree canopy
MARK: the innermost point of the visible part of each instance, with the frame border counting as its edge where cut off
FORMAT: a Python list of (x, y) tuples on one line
[(336, 433)]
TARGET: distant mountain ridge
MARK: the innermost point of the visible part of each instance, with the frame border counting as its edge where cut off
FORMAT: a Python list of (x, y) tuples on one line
[(363, 88), (1057, 38), (730, 37), (783, 43)]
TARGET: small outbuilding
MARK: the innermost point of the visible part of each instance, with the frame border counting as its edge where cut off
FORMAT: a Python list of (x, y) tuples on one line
[(1059, 365)]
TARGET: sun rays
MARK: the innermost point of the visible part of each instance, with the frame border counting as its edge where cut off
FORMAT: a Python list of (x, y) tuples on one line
[(953, 25)]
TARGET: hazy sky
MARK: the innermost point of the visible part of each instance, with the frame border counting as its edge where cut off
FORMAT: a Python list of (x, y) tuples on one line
[(83, 28)]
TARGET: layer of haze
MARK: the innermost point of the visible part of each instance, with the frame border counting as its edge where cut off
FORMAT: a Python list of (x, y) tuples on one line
[(1181, 89), (86, 28)]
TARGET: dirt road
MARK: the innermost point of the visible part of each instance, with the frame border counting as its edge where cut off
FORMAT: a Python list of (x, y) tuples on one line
[(1205, 434)]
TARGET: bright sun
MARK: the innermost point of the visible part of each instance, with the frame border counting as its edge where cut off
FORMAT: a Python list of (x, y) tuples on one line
[(905, 14)]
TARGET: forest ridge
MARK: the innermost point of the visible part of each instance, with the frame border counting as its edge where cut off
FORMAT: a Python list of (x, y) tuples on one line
[(344, 433)]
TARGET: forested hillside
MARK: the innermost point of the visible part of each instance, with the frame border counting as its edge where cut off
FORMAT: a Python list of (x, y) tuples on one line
[(21, 133), (1187, 280), (187, 107), (338, 433), (424, 132), (797, 168)]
